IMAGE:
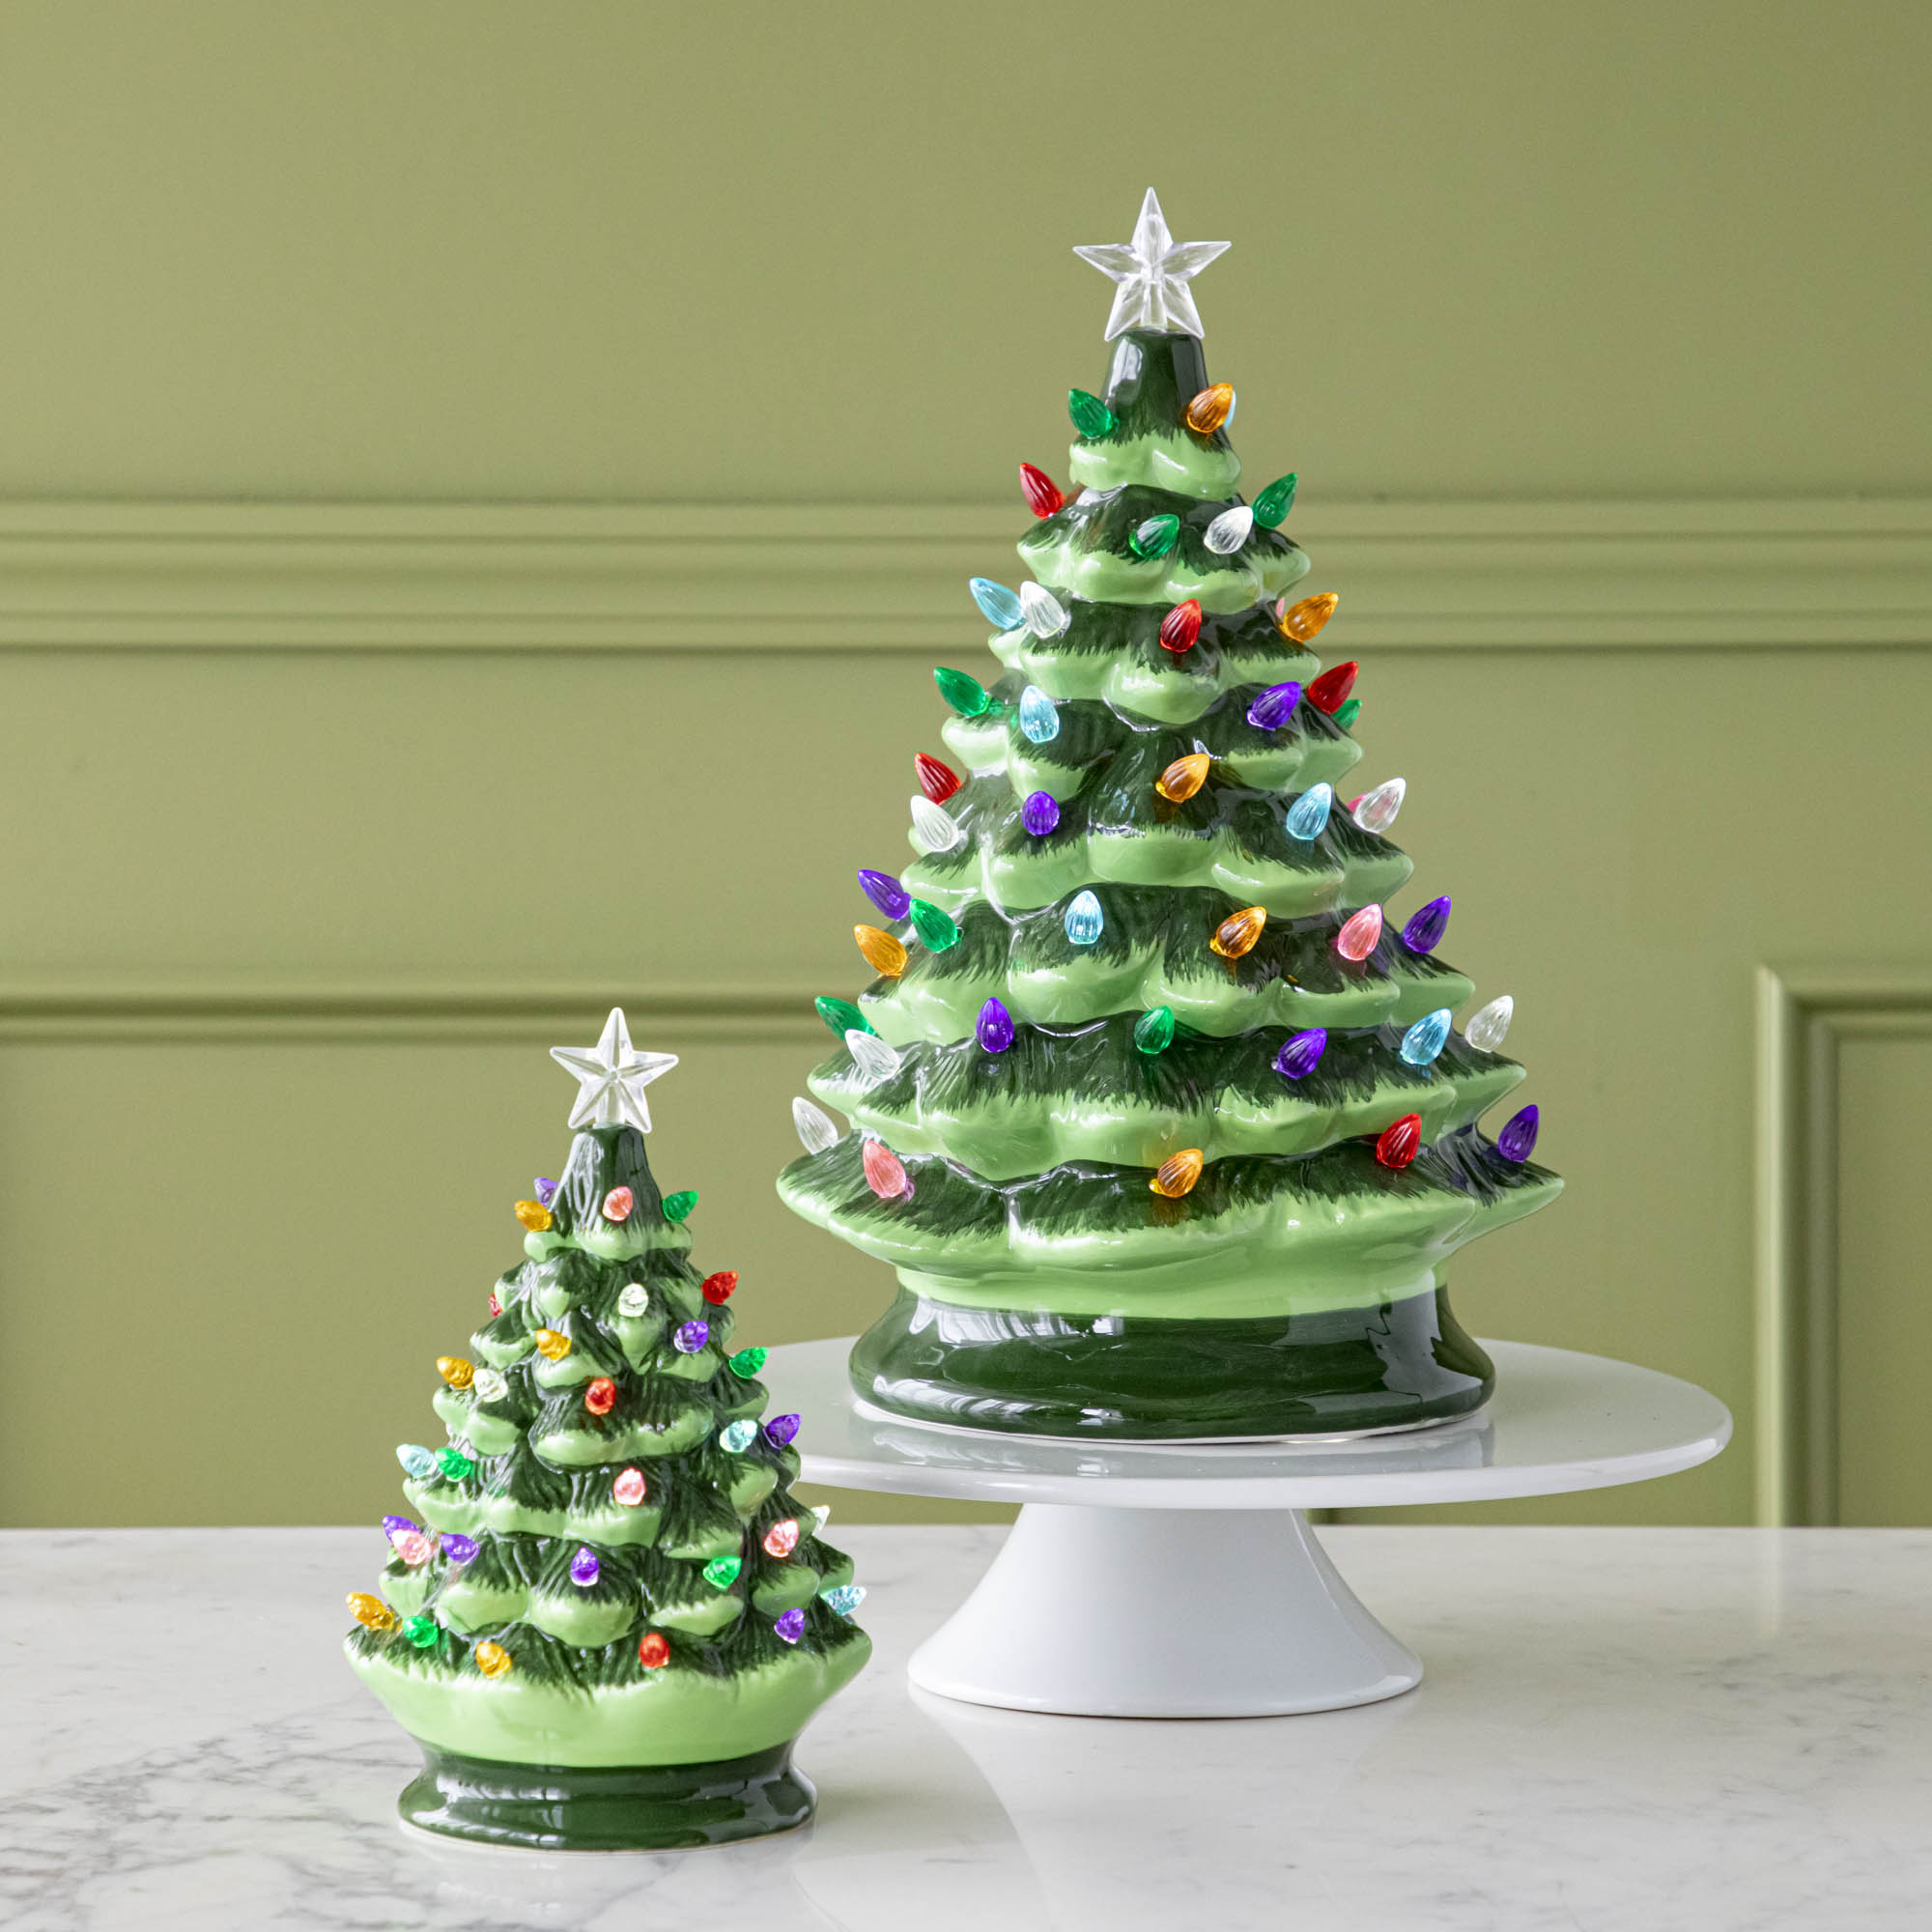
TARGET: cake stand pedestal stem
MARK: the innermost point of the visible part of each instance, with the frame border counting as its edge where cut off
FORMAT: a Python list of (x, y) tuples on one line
[(1110, 1612)]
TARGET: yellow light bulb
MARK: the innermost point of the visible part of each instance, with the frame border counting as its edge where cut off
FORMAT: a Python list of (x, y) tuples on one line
[(1238, 932), (1211, 408), (552, 1346), (534, 1216), (1176, 1174), (371, 1612), (455, 1371), (1300, 621), (492, 1658), (1183, 778), (880, 950)]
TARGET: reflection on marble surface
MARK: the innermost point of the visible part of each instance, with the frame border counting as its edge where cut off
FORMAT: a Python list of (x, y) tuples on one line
[(1621, 1730)]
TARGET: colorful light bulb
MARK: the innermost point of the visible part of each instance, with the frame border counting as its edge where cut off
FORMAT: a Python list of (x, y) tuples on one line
[(1183, 778), (880, 950), (1229, 531), (1273, 707), (455, 1371), (994, 1027), (871, 1056), (1236, 935), (1359, 933), (454, 1466), (411, 1546), (1041, 493), (629, 1488), (534, 1216), (1426, 1039), (1154, 537), (747, 1363), (937, 931), (600, 1395), (490, 1385), (1300, 1056), (886, 893), (718, 1288), (492, 1658), (618, 1203), (585, 1568), (1181, 627), (816, 1131), (934, 827), (999, 606), (1375, 811), (966, 694), (421, 1630), (841, 1015), (885, 1171), (1153, 1031), (1400, 1141), (1308, 817), (632, 1299), (677, 1206), (552, 1344), (544, 1190), (1327, 691), (780, 1430), (653, 1650), (1090, 417), (1044, 614), (1211, 408), (937, 780), (394, 1526), (842, 1599), (1040, 813), (416, 1460), (1176, 1174), (690, 1337), (1275, 501), (1426, 927), (1300, 621), (495, 1304), (371, 1612), (788, 1626), (721, 1572), (1518, 1140), (457, 1548), (1084, 918), (782, 1539), (1347, 714), (737, 1437), (1040, 715), (1488, 1026)]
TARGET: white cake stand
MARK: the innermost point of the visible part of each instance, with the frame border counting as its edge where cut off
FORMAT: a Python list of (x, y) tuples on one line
[(1182, 1580)]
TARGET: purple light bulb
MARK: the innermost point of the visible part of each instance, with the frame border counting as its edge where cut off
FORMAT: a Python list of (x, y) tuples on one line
[(692, 1337), (1518, 1140), (790, 1627), (780, 1429), (394, 1526), (457, 1548), (1302, 1054), (545, 1191), (1274, 706), (584, 1568), (1425, 928), (995, 1027), (1040, 813), (886, 893)]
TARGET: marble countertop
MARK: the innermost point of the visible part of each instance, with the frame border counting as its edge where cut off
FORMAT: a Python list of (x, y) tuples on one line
[(1672, 1730)]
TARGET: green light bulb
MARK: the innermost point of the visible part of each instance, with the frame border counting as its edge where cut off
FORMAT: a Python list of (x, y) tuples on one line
[(721, 1572), (1347, 714), (1153, 1031), (841, 1015), (747, 1363), (1156, 537), (677, 1205), (1090, 415), (933, 927), (1275, 501), (966, 694)]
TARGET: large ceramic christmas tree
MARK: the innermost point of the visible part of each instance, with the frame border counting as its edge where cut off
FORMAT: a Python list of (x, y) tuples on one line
[(1162, 1117), (608, 1618)]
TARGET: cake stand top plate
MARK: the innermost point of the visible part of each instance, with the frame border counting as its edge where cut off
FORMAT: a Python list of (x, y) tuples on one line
[(1558, 1421)]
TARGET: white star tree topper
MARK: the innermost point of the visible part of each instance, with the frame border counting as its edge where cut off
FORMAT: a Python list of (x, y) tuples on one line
[(1154, 271), (612, 1077)]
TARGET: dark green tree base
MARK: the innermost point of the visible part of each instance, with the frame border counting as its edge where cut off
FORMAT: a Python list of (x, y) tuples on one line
[(609, 1809), (1028, 1373)]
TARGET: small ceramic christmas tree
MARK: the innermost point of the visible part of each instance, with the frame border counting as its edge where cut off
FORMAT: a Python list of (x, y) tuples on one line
[(612, 1619), (1165, 1124)]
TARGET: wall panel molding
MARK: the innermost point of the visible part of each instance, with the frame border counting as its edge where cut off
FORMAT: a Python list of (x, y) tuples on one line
[(1803, 1012), (781, 578)]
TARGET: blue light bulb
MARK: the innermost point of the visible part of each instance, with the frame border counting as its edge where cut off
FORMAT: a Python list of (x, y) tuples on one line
[(1309, 814), (999, 606), (1424, 1041), (1084, 920), (1039, 717)]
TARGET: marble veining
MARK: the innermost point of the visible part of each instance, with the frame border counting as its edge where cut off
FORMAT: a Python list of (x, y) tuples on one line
[(1621, 1731)]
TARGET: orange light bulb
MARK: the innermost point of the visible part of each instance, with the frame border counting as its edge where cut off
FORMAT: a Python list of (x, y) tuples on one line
[(1211, 408), (492, 1658), (455, 1371), (1300, 621), (534, 1216), (1176, 1174), (880, 950), (1183, 778), (371, 1612), (1238, 932), (552, 1346)]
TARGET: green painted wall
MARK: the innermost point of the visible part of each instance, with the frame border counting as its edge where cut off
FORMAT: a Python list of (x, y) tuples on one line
[(297, 901)]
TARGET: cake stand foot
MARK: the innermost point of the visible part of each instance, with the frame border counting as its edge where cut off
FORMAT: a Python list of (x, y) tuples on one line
[(1163, 1613)]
